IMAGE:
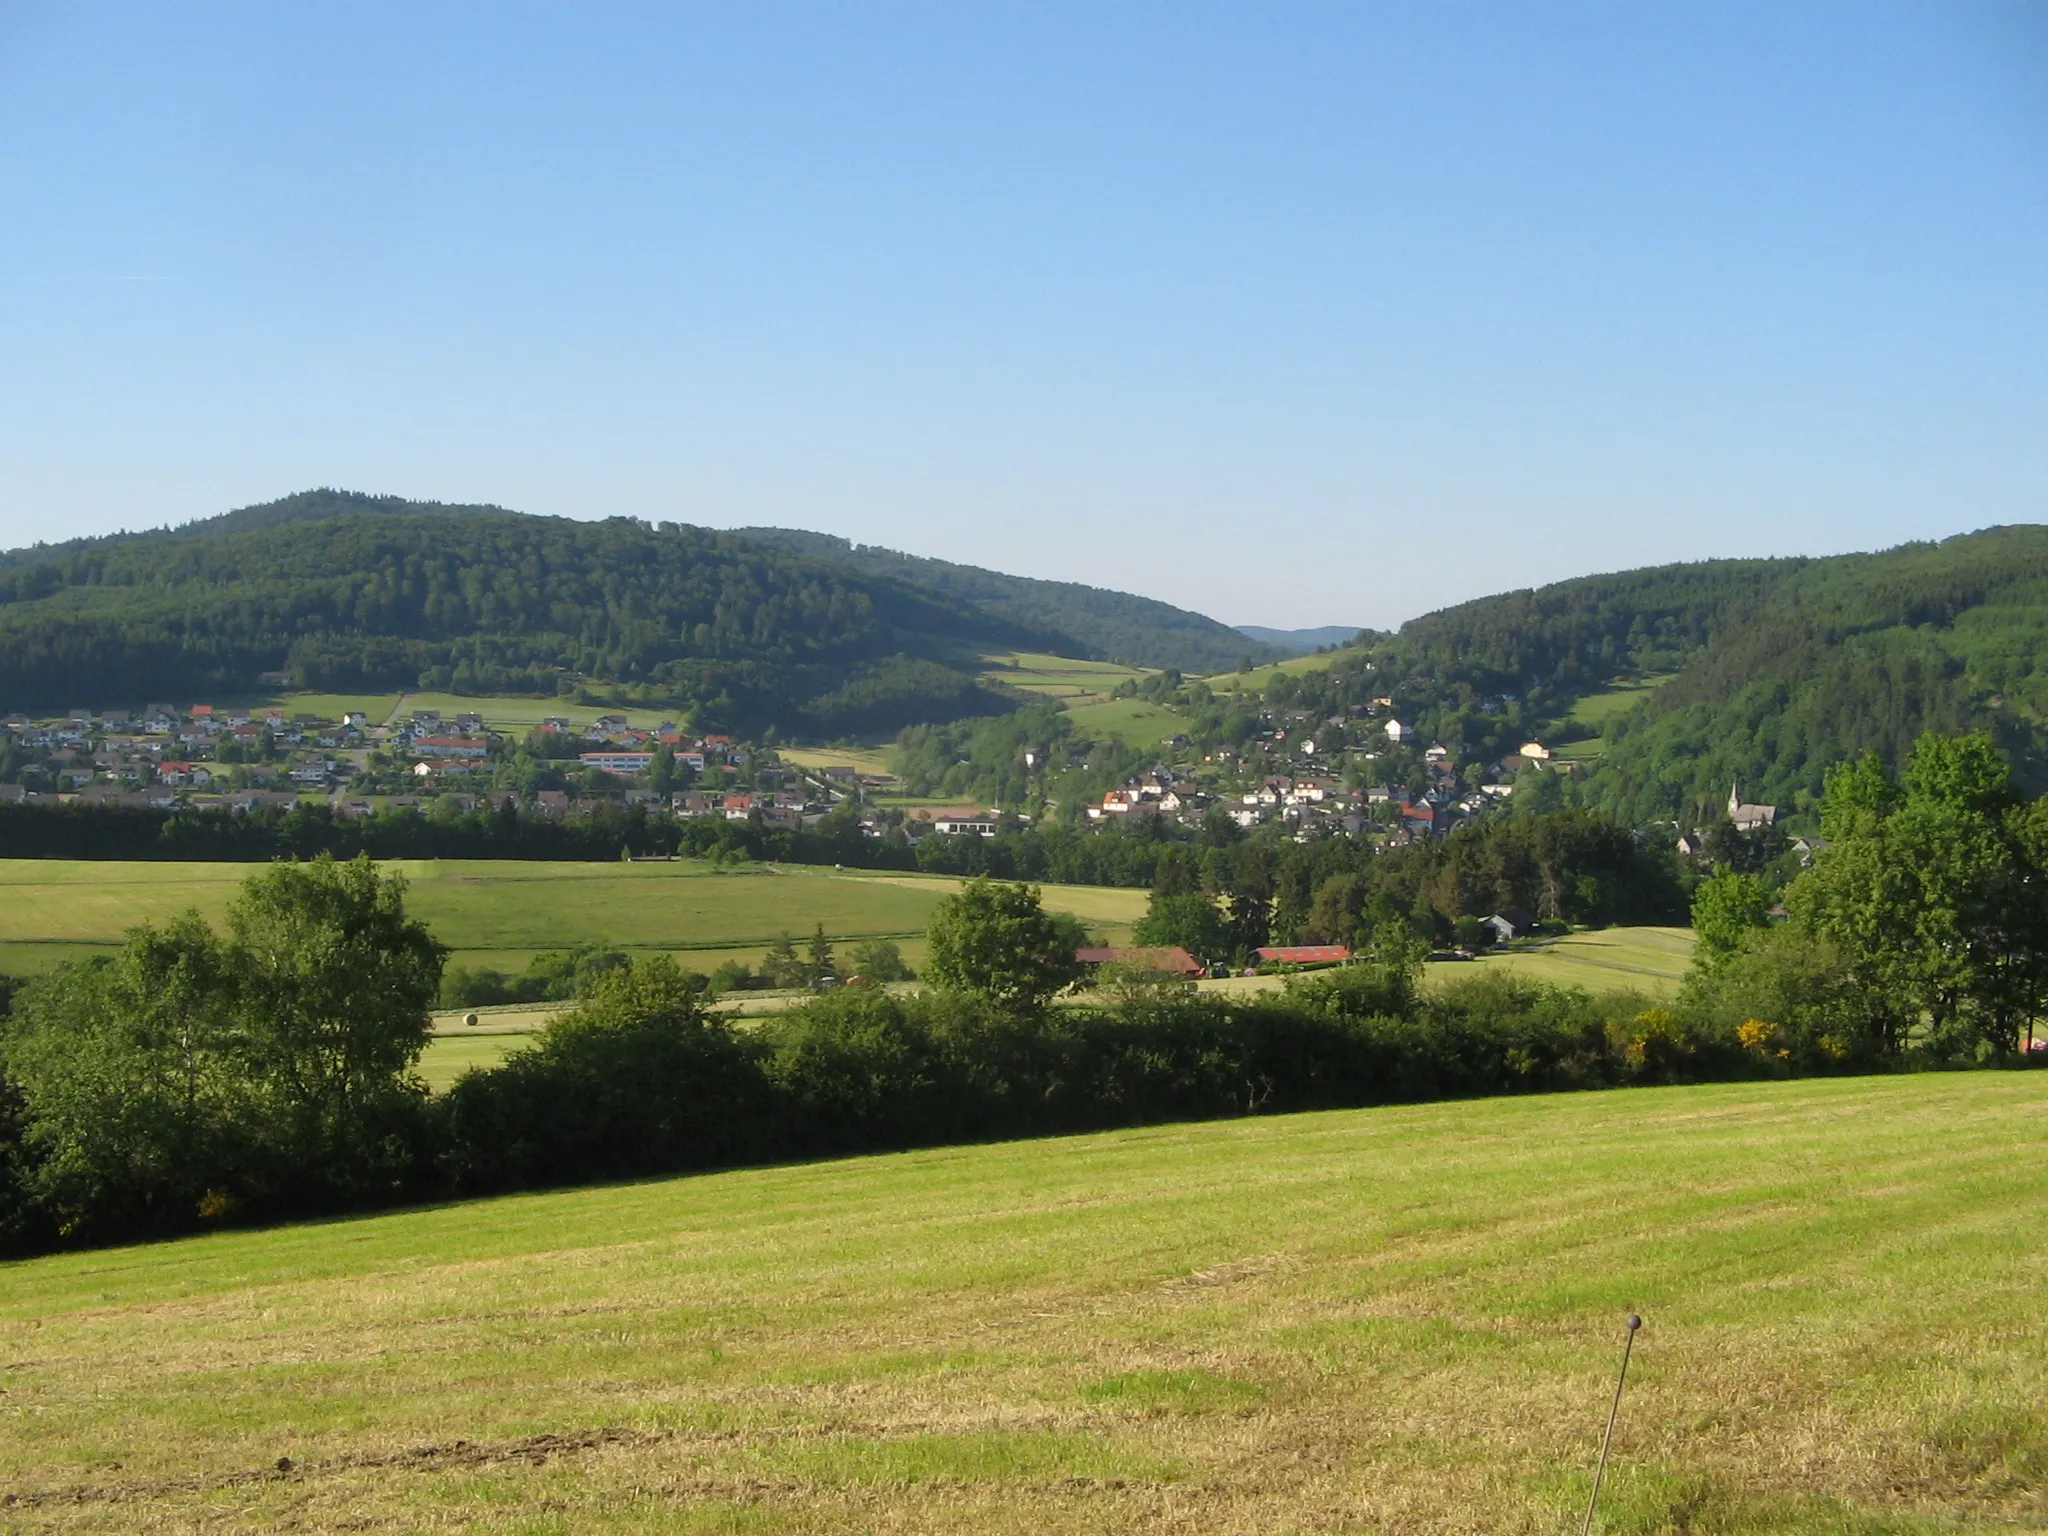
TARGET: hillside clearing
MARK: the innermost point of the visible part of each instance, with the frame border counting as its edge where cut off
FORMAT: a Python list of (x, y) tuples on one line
[(1397, 1319), (1261, 678), (1596, 709)]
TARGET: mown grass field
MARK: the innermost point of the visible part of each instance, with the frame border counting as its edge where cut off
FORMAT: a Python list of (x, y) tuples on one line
[(1652, 960), (860, 759), (502, 912), (1388, 1320)]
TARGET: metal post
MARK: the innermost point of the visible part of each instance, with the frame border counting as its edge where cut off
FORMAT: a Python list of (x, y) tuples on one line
[(1614, 1408)]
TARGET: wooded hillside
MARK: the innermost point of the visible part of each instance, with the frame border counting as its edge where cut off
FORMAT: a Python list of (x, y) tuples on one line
[(1097, 623), (1776, 668), (350, 591)]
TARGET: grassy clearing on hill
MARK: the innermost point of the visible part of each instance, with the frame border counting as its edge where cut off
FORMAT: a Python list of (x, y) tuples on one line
[(495, 911), (1395, 1319), (1595, 710), (860, 759), (1261, 678), (1136, 721)]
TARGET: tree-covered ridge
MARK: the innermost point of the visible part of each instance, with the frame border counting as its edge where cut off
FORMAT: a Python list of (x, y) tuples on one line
[(1861, 653), (1777, 669), (1096, 623), (481, 600), (769, 627), (1577, 634), (300, 507)]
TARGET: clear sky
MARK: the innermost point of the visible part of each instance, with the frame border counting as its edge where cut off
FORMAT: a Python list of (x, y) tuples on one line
[(1296, 314)]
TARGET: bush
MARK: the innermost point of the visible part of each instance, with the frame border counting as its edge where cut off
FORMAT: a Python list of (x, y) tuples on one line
[(881, 960), (481, 987), (635, 1080)]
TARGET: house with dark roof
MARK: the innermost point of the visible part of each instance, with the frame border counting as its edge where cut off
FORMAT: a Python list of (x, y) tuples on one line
[(1749, 818)]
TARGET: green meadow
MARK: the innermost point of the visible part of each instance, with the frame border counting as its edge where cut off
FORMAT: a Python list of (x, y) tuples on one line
[(1596, 709), (1261, 678), (502, 912), (1401, 1319), (1652, 960), (1647, 960), (508, 712)]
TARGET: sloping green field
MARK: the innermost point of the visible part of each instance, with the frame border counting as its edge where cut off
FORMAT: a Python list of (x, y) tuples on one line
[(1390, 1320), (501, 911), (1650, 960)]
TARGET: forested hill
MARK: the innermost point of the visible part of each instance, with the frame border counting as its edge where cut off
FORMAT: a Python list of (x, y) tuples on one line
[(481, 600), (1105, 625), (304, 506), (1766, 670), (354, 591)]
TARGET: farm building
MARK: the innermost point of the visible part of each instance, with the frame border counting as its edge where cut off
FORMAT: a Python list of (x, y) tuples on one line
[(1171, 959), (1303, 954)]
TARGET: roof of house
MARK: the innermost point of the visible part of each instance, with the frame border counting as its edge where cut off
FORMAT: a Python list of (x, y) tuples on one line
[(1170, 958), (1303, 954)]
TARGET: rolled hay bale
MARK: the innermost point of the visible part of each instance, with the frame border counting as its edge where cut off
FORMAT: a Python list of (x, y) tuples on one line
[(469, 1019)]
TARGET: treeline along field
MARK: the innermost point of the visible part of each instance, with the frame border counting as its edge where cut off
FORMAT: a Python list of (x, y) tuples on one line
[(1575, 866), (268, 1069)]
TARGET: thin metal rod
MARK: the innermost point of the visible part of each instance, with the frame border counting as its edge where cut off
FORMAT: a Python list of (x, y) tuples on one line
[(1614, 1409)]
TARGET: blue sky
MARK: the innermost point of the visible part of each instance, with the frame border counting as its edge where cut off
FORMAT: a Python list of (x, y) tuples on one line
[(1296, 314)]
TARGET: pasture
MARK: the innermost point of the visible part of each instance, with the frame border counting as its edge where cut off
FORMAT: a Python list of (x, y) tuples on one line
[(1261, 678), (1650, 960), (1400, 1319), (513, 713), (502, 912), (861, 759)]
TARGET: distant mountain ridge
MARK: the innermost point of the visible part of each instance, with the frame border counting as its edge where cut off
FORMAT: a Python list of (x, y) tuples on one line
[(1302, 641)]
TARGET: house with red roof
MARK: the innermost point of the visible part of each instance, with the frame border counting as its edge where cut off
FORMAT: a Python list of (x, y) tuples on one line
[(1171, 959), (1303, 954)]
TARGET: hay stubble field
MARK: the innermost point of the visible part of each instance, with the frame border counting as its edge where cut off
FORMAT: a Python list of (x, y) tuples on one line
[(1389, 1320)]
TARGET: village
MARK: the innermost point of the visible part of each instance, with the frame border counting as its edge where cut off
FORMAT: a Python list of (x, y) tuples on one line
[(1366, 776), (203, 757)]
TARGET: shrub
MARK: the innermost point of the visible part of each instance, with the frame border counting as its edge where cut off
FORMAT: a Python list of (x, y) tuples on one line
[(635, 1080)]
